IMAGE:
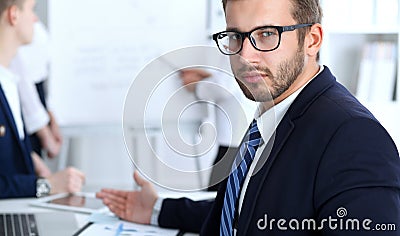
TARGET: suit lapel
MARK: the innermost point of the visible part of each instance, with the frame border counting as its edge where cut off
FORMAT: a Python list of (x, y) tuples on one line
[(311, 92), (264, 165), (7, 111)]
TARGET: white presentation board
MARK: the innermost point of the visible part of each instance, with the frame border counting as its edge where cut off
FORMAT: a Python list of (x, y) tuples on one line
[(99, 46)]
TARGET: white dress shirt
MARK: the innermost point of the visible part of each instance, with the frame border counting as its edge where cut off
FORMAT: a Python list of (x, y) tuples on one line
[(9, 84)]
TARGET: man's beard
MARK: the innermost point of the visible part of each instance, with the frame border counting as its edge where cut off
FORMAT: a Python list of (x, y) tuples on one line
[(287, 73)]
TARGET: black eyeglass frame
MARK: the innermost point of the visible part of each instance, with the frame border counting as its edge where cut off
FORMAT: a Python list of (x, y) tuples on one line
[(245, 35)]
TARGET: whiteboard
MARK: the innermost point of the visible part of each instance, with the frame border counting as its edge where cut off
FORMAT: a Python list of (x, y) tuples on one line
[(99, 46)]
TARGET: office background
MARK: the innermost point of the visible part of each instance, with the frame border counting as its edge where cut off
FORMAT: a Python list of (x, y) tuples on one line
[(99, 47)]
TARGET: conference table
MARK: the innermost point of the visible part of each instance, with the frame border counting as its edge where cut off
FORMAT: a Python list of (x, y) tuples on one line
[(23, 205)]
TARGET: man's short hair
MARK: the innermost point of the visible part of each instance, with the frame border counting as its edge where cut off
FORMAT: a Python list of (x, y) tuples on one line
[(4, 4), (303, 12)]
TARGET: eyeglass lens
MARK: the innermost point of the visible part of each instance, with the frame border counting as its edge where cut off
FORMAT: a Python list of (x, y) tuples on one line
[(263, 39)]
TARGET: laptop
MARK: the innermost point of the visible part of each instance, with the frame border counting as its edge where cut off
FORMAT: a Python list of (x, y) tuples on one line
[(38, 224)]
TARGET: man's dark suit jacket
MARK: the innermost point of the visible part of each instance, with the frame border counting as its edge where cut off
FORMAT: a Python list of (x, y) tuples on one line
[(329, 153), (17, 177)]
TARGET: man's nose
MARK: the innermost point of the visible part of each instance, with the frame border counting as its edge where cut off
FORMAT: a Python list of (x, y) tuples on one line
[(248, 52)]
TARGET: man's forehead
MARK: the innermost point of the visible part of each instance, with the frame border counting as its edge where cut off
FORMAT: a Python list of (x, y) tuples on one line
[(248, 14)]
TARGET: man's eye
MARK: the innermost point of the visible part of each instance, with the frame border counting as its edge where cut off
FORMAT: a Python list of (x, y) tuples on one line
[(235, 37), (266, 34)]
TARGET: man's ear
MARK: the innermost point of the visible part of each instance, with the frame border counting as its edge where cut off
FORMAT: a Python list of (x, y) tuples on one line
[(12, 14), (314, 40)]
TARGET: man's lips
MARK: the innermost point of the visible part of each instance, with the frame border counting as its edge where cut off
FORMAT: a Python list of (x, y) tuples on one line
[(252, 77)]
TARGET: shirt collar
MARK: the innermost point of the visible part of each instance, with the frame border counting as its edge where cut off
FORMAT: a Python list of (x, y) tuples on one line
[(270, 119), (6, 76)]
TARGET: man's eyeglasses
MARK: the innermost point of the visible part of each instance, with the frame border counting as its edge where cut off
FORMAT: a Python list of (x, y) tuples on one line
[(264, 38)]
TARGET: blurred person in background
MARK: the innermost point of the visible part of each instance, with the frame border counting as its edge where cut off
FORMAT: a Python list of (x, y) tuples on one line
[(22, 172), (230, 112), (31, 64)]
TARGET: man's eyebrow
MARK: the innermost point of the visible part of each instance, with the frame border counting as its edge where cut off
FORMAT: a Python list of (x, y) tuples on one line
[(232, 29), (258, 26)]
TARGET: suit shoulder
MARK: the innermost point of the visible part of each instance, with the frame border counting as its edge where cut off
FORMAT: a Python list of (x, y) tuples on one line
[(335, 109), (338, 103)]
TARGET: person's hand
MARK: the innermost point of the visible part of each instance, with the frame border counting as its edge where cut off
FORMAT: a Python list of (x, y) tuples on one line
[(55, 129), (134, 206), (40, 167), (191, 76), (69, 180), (50, 137), (49, 142)]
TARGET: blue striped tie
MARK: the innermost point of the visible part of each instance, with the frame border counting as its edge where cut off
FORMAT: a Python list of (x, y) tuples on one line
[(245, 156)]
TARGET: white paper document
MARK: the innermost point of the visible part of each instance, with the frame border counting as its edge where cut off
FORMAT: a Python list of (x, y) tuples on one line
[(108, 224), (126, 228)]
